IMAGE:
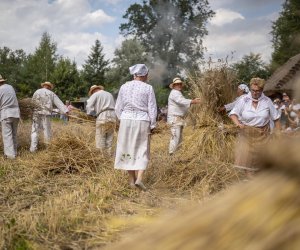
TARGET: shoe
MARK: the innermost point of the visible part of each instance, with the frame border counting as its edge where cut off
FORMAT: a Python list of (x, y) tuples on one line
[(140, 185)]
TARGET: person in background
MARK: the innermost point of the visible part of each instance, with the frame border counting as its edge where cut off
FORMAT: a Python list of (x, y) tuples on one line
[(178, 107), (44, 99), (9, 117), (137, 110), (65, 117), (102, 105), (277, 104), (252, 115), (241, 90)]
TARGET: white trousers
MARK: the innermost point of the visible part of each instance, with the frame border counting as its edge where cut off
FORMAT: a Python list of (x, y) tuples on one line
[(40, 123), (104, 136), (9, 135), (176, 138)]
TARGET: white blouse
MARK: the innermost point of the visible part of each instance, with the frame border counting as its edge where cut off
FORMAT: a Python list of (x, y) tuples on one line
[(255, 117), (136, 101), (231, 105)]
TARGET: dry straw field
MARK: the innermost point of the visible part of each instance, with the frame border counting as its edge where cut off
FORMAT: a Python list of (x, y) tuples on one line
[(68, 196)]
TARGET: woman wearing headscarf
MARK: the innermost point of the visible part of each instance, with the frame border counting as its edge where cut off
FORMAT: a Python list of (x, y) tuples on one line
[(252, 114), (241, 90), (136, 109)]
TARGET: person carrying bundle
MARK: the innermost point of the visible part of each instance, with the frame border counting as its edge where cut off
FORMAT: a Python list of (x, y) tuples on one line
[(9, 117), (178, 107), (252, 115), (102, 105), (44, 99)]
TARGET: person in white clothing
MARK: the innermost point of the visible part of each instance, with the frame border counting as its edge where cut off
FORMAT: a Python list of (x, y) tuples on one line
[(252, 114), (44, 99), (241, 90), (9, 117), (102, 105), (178, 107), (136, 108)]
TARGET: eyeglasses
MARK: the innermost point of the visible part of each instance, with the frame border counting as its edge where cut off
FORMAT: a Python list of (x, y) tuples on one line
[(256, 91)]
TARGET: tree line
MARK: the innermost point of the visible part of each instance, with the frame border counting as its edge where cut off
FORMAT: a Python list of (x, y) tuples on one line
[(167, 35)]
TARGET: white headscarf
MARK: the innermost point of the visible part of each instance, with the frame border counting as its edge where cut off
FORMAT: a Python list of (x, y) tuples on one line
[(244, 87), (138, 70)]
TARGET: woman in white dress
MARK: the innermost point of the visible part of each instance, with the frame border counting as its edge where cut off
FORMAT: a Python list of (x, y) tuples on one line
[(136, 109)]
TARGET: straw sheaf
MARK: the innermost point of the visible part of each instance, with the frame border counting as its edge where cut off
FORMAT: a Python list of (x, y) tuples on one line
[(263, 213)]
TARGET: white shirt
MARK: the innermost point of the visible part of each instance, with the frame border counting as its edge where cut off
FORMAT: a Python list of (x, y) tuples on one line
[(178, 105), (46, 99), (9, 106), (102, 103), (259, 117), (136, 101), (231, 105)]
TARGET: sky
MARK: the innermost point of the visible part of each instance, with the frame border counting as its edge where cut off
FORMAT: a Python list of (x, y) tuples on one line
[(238, 28)]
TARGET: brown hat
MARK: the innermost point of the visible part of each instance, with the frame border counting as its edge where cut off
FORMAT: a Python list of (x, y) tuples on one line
[(95, 87), (1, 79), (176, 80), (48, 84)]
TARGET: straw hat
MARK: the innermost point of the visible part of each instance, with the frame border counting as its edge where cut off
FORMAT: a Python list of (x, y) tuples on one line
[(176, 80), (1, 79), (95, 87), (48, 84)]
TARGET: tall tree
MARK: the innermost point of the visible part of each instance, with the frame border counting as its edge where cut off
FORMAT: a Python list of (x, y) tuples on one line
[(171, 30), (12, 65), (41, 63), (286, 33), (251, 66), (131, 52), (66, 78), (95, 66)]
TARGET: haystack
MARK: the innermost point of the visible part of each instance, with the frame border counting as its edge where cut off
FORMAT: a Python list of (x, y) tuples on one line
[(263, 213)]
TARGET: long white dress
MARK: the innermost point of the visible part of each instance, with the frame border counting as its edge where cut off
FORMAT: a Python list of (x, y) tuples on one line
[(136, 108)]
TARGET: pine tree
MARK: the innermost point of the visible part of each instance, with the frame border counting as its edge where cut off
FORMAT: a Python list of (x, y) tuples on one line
[(95, 66)]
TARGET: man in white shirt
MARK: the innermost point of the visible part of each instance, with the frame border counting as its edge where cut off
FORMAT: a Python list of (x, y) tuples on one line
[(102, 105), (9, 117), (45, 99), (178, 107)]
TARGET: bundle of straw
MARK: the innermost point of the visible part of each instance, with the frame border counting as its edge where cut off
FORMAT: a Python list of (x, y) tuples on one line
[(261, 214), (27, 107)]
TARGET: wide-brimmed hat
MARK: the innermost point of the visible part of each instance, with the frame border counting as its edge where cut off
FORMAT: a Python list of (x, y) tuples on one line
[(176, 80), (48, 84), (95, 87), (1, 79)]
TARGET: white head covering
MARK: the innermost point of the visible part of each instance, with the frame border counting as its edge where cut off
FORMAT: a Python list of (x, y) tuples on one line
[(138, 70), (244, 87)]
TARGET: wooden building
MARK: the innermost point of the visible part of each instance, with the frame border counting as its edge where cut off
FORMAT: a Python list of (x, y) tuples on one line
[(285, 79)]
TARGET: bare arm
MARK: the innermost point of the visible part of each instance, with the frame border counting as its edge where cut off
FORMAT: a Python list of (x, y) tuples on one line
[(236, 121)]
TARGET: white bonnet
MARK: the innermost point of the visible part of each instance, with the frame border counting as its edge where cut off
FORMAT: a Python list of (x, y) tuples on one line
[(244, 87), (138, 70)]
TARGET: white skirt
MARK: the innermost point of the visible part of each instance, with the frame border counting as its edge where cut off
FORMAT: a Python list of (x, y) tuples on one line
[(133, 145)]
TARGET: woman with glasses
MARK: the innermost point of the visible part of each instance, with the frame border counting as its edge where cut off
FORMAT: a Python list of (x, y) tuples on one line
[(252, 114)]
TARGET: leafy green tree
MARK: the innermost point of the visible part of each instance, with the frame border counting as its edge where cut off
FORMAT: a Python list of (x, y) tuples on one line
[(68, 84), (12, 64), (286, 33), (95, 66), (251, 66), (40, 64), (131, 52), (170, 30)]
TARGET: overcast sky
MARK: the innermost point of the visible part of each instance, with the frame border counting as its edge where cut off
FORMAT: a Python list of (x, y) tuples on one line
[(240, 26)]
